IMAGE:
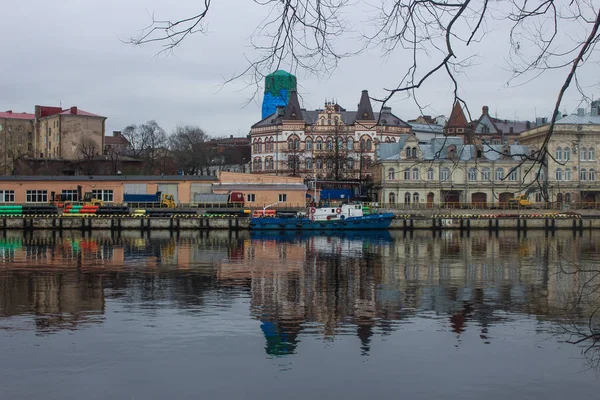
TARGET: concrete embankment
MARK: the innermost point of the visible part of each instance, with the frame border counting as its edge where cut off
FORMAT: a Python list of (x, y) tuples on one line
[(433, 221)]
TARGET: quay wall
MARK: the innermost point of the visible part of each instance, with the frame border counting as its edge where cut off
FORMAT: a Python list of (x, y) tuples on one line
[(402, 222)]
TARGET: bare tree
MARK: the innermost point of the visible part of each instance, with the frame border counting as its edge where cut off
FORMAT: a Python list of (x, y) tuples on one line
[(88, 151), (190, 148), (148, 142), (439, 35)]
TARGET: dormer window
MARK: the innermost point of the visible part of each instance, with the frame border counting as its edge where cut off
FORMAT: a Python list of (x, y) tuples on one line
[(366, 115)]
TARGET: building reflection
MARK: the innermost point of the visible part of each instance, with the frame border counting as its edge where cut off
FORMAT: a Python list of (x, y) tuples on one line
[(360, 284)]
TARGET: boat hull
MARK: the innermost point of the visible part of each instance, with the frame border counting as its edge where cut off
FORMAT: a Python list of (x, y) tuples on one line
[(367, 222)]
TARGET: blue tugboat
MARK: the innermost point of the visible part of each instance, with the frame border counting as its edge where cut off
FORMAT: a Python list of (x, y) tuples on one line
[(343, 217)]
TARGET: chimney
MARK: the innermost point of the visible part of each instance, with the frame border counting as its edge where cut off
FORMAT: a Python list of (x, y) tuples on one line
[(9, 112), (595, 108), (116, 133), (527, 125), (74, 110), (485, 110), (581, 112), (230, 136)]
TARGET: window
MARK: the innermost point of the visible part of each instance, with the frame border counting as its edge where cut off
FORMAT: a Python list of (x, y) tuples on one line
[(407, 174), (391, 174), (319, 144), (329, 163), (591, 154), (259, 144), (309, 163), (350, 163), (567, 174), (583, 153), (444, 174), (392, 198), (329, 145), (592, 175), (539, 197), (350, 144), (558, 154), (271, 144), (308, 144), (340, 143), (366, 162), (499, 174), (430, 174), (37, 196), (568, 197), (408, 153), (7, 196), (513, 175), (414, 152), (369, 144), (294, 163), (70, 195), (567, 153), (415, 174), (251, 197), (103, 194), (416, 198), (583, 174), (319, 163), (282, 198), (472, 174), (559, 174), (407, 198)]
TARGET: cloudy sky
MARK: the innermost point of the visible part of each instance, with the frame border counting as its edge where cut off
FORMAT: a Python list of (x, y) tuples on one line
[(71, 52)]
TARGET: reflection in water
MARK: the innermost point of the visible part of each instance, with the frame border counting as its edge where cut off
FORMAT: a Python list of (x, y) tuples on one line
[(301, 286)]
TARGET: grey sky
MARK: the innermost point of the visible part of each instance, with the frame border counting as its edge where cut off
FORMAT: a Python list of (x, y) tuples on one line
[(70, 51)]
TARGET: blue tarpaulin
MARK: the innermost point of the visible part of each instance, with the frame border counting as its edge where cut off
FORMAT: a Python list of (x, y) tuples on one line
[(336, 194)]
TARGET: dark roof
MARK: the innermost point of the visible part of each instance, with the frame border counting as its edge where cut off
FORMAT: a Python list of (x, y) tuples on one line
[(365, 111), (457, 117), (109, 178), (115, 140), (293, 112), (348, 118)]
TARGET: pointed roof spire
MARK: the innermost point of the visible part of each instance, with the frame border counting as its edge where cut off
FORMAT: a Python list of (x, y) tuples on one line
[(293, 112), (365, 111), (457, 117)]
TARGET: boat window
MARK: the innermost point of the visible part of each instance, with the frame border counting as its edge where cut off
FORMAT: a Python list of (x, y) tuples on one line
[(333, 210)]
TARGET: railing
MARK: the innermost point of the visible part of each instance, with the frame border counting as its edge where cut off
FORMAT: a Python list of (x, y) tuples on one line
[(486, 206)]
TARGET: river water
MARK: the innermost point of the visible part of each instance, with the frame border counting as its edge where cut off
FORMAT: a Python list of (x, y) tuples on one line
[(246, 315)]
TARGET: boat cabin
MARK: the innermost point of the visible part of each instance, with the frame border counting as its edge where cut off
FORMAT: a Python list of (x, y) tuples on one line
[(335, 213)]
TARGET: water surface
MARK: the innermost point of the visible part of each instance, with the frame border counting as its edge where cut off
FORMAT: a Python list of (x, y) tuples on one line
[(241, 315)]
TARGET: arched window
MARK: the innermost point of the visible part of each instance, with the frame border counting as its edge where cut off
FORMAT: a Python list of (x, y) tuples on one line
[(350, 163), (485, 174), (408, 153), (329, 163), (290, 144), (319, 163), (329, 145), (415, 198), (392, 198), (271, 144), (350, 144), (444, 174), (591, 154), (322, 120), (259, 164), (558, 154), (319, 144), (567, 174), (387, 139), (414, 152), (568, 197), (407, 197), (340, 143), (513, 175), (369, 144), (430, 174), (472, 174), (309, 163), (254, 164), (363, 144), (592, 175), (583, 153), (583, 174), (415, 174), (391, 174), (308, 144), (499, 174), (559, 174), (407, 174), (567, 153)]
